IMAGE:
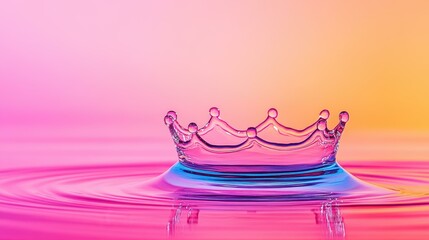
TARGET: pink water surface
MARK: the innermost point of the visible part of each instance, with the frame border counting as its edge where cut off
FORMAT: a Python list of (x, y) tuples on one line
[(108, 199)]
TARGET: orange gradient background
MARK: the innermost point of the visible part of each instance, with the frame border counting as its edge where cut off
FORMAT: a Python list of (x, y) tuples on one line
[(114, 68)]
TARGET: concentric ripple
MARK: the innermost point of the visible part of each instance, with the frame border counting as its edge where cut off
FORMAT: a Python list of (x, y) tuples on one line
[(136, 186), (144, 201), (78, 187)]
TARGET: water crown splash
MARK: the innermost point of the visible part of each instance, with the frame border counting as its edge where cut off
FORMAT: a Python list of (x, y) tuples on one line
[(268, 144), (267, 162)]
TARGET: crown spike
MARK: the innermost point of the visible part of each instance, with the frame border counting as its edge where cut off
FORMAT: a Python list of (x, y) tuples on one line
[(214, 112), (324, 114), (251, 132), (344, 116), (321, 125), (272, 112), (168, 120), (192, 127), (172, 114)]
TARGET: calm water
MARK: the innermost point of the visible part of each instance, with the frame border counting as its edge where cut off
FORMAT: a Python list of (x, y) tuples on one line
[(66, 199)]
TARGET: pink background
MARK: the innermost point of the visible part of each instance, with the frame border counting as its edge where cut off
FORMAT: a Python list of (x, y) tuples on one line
[(104, 73)]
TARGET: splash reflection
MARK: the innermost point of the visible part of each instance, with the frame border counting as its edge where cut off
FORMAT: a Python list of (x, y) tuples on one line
[(192, 215), (327, 215)]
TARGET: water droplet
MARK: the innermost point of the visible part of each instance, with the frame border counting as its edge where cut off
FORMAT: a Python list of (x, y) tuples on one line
[(168, 120), (272, 112), (172, 114), (344, 116), (192, 127), (321, 125), (251, 132), (324, 114), (214, 112)]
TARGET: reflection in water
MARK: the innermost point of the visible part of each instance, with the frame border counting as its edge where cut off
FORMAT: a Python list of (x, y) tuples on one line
[(176, 214), (328, 215)]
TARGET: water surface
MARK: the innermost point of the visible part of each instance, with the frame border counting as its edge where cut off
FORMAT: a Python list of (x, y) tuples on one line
[(123, 200)]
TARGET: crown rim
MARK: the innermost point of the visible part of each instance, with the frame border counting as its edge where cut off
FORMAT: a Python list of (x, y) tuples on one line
[(315, 140)]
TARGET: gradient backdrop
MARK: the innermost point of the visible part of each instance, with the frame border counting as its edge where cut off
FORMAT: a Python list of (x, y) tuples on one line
[(106, 70)]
